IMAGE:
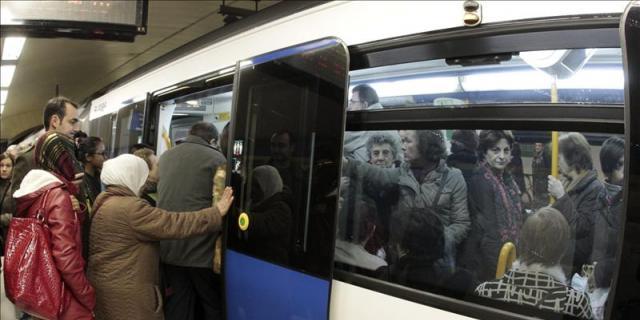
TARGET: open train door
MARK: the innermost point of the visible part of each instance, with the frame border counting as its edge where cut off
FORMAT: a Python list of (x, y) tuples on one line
[(285, 155), (626, 289)]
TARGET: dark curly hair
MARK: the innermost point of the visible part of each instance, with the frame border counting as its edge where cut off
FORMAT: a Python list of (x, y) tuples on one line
[(431, 145), (489, 138), (87, 147)]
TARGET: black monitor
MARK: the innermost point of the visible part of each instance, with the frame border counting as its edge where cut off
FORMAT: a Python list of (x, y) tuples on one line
[(100, 19)]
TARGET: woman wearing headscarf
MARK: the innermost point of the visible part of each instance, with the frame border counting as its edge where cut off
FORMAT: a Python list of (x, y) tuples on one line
[(52, 189), (269, 231), (124, 258)]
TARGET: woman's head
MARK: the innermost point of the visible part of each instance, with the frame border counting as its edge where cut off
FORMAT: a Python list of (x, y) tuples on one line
[(575, 154), (495, 148), (125, 170), (544, 237), (424, 235), (150, 159), (91, 151), (612, 160), (266, 183), (6, 166), (420, 146)]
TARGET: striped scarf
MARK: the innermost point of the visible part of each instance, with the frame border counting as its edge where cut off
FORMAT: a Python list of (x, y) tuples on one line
[(55, 153)]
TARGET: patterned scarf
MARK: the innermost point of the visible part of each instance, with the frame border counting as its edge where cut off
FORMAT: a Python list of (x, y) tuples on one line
[(55, 153), (507, 200)]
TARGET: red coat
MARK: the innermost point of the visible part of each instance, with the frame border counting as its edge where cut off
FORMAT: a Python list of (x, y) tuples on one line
[(66, 246)]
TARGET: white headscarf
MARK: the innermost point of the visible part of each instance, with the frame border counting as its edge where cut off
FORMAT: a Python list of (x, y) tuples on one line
[(125, 170)]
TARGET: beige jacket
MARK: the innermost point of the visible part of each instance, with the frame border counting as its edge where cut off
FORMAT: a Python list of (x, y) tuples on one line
[(124, 251)]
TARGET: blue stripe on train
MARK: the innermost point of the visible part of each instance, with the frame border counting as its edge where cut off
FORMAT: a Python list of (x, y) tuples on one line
[(256, 289)]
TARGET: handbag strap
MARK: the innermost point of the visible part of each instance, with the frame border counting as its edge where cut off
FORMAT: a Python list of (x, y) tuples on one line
[(40, 214)]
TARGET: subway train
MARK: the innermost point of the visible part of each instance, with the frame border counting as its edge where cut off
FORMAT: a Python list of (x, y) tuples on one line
[(283, 80)]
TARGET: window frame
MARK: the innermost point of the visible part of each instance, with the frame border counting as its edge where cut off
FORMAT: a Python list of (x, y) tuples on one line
[(538, 34)]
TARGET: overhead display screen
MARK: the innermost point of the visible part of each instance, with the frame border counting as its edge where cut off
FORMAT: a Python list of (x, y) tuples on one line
[(108, 20)]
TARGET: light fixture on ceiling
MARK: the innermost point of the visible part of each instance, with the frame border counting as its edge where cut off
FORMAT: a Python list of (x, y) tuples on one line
[(12, 48), (3, 96), (6, 75)]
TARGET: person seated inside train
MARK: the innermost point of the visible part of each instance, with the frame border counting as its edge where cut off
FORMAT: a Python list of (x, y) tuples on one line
[(149, 190), (269, 226), (496, 209), (602, 276), (464, 144), (420, 249), (423, 181), (363, 97), (537, 278), (125, 231), (608, 219), (576, 194), (351, 250)]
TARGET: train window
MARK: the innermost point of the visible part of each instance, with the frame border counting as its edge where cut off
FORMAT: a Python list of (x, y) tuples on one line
[(103, 127), (129, 124), (581, 76), (477, 215), (179, 114)]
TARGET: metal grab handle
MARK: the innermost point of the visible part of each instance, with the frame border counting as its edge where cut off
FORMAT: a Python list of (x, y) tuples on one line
[(506, 258)]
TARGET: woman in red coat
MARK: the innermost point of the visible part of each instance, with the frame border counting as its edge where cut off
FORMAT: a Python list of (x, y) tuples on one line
[(53, 190)]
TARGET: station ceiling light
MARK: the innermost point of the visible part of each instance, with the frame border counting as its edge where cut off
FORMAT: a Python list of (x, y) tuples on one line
[(12, 48), (6, 75)]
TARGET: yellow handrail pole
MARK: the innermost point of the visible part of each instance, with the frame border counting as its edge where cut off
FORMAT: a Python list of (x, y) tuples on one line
[(506, 258), (554, 136)]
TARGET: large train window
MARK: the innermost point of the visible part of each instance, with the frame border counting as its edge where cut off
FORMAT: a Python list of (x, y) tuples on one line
[(177, 115), (129, 125), (103, 127), (477, 213), (584, 76)]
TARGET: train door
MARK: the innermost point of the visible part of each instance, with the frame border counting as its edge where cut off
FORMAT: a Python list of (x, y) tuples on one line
[(285, 159), (627, 280)]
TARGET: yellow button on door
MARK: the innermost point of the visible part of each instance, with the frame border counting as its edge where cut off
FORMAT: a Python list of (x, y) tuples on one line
[(243, 221)]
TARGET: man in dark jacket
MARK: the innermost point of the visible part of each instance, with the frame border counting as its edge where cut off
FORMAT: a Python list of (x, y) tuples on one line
[(186, 184)]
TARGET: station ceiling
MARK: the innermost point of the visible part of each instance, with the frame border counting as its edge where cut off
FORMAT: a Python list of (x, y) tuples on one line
[(82, 67)]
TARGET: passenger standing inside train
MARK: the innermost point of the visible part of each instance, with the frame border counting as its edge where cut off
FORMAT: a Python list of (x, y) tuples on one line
[(540, 169), (186, 184), (149, 191), (52, 189), (576, 196), (6, 201), (537, 279), (608, 219), (494, 203), (282, 146), (61, 116), (424, 181), (124, 255), (363, 97), (92, 154), (464, 144)]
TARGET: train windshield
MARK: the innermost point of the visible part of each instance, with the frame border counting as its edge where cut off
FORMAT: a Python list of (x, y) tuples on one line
[(580, 76)]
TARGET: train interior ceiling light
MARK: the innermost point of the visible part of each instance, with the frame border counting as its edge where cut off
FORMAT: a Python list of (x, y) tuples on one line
[(100, 20)]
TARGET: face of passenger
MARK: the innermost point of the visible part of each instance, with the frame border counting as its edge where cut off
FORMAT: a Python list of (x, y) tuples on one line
[(617, 175), (410, 145), (5, 168), (356, 103), (66, 125), (97, 158), (381, 155), (499, 156), (539, 147), (281, 147)]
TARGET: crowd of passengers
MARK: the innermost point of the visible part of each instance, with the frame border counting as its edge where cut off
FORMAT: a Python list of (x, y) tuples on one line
[(117, 226), (419, 213), (414, 209)]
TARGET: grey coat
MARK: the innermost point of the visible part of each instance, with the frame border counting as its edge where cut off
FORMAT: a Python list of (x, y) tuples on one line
[(186, 184), (451, 207)]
